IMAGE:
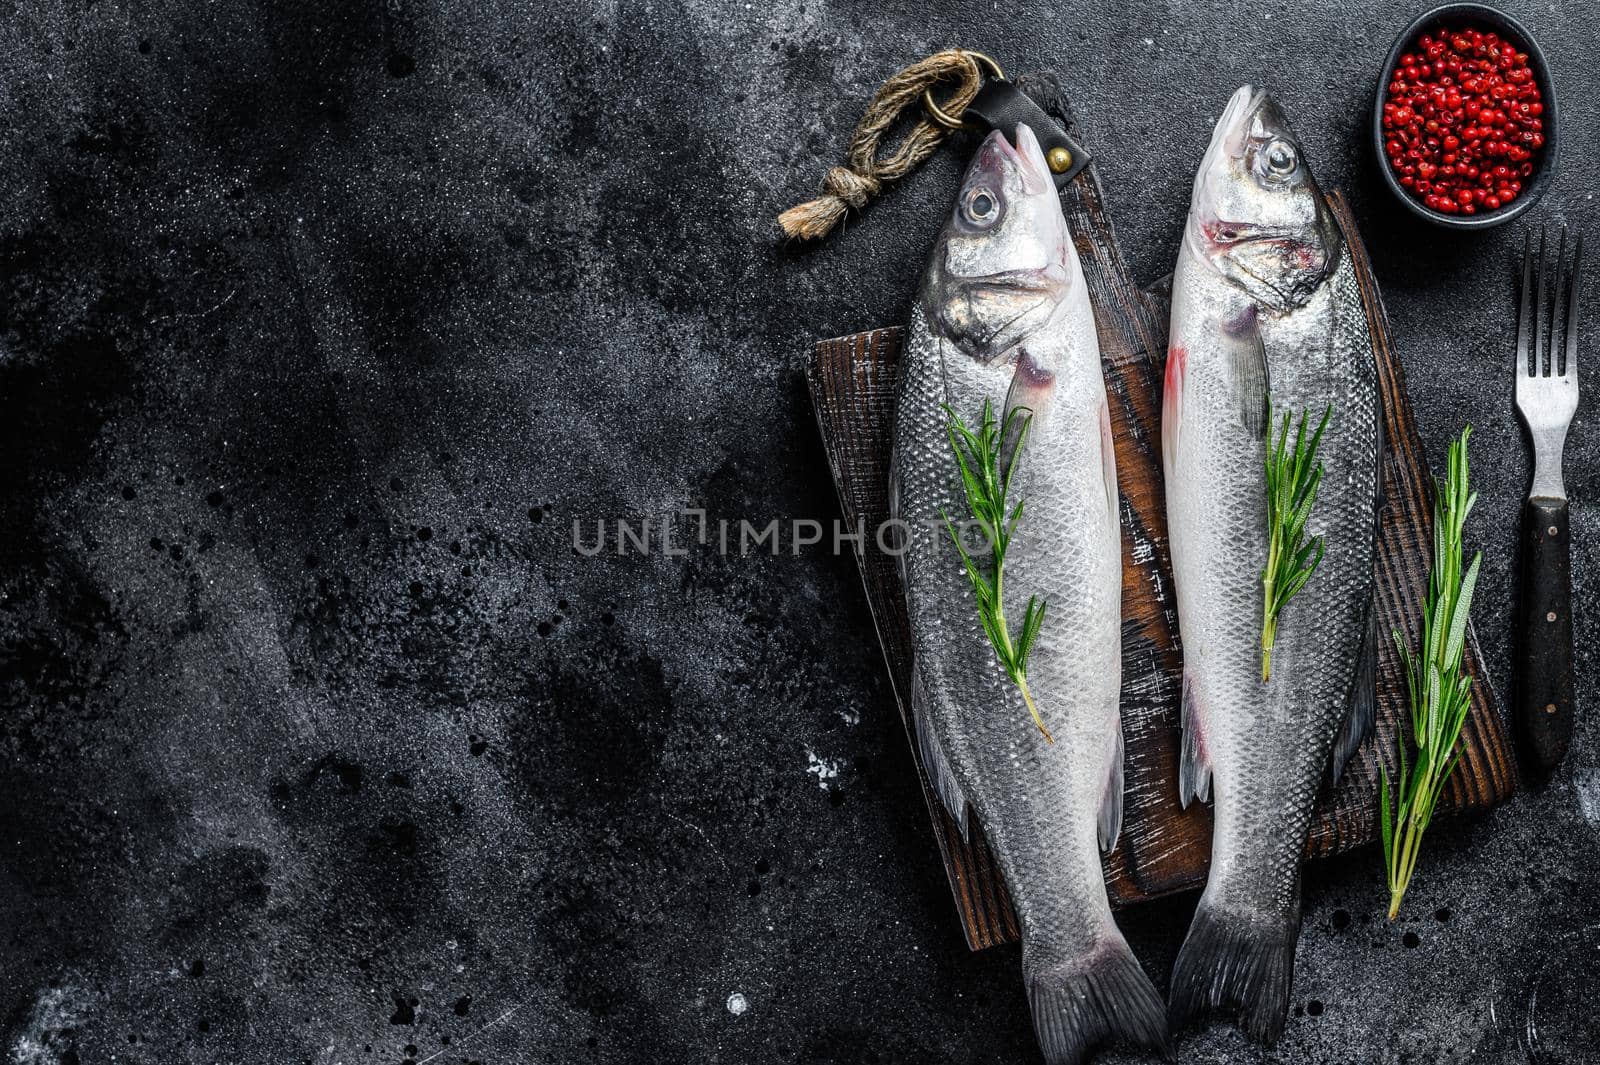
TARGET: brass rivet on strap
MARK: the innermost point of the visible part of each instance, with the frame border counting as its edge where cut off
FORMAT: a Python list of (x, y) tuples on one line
[(1550, 616), (1550, 708), (1060, 160)]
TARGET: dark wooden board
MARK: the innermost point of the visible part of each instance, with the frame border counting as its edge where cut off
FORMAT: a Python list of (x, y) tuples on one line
[(1163, 848)]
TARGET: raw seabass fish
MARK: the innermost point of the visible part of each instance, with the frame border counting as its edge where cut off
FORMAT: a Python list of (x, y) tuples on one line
[(1265, 307), (1003, 317)]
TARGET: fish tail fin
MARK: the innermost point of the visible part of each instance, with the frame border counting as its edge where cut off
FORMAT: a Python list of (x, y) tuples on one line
[(1237, 961), (1080, 1002)]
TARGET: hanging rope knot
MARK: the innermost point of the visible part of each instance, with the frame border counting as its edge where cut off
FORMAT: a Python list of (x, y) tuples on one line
[(854, 189), (852, 185)]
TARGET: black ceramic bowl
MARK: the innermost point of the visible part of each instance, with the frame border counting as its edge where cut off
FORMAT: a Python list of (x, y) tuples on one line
[(1483, 17)]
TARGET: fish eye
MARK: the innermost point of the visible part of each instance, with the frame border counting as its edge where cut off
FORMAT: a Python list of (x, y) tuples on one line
[(981, 207), (1280, 157)]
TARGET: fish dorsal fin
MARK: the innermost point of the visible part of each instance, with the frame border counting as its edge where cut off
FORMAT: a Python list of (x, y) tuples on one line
[(1379, 490), (1247, 365), (1194, 766), (933, 760), (1362, 701), (895, 516), (1108, 462), (1110, 824)]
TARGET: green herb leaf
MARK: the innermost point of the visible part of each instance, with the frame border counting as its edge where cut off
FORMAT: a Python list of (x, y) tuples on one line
[(1385, 821), (986, 468), (1440, 693), (1293, 477), (1032, 620)]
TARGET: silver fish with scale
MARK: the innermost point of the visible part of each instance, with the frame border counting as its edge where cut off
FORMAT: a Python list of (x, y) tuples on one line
[(1004, 316), (1265, 305)]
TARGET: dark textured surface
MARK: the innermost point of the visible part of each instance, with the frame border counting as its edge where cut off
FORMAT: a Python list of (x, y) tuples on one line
[(321, 323)]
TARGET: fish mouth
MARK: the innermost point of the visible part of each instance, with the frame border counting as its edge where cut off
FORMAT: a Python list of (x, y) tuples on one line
[(1206, 230), (1041, 281), (1229, 136), (1025, 157), (1209, 238), (1232, 127), (1221, 235), (1031, 160)]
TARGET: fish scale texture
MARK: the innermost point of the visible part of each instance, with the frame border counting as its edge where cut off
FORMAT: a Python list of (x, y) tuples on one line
[(1269, 743), (1038, 802)]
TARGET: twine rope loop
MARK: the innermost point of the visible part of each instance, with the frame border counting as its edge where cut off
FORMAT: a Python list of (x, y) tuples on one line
[(865, 172)]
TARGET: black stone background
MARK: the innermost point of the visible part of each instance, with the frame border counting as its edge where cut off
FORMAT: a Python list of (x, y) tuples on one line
[(321, 324)]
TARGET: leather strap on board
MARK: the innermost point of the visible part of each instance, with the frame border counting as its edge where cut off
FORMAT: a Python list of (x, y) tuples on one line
[(1001, 105)]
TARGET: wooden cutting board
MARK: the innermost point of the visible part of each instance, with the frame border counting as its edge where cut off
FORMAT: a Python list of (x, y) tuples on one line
[(1163, 848)]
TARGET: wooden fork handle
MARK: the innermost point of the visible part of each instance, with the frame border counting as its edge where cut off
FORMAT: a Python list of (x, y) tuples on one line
[(1543, 705)]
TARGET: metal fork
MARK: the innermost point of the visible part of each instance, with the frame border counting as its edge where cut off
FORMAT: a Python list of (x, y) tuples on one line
[(1547, 398)]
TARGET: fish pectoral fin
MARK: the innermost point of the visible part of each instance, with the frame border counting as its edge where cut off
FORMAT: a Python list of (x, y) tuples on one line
[(894, 515), (1172, 377), (1248, 377), (934, 762), (1110, 825), (1362, 701), (1194, 766), (1031, 390)]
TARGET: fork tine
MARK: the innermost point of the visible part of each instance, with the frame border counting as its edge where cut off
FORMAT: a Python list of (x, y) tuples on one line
[(1540, 303), (1525, 312), (1557, 274), (1569, 366)]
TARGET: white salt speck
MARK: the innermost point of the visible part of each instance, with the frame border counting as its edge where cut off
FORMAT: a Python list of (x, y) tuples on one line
[(851, 716), (737, 1003), (1588, 788), (1149, 42), (824, 769)]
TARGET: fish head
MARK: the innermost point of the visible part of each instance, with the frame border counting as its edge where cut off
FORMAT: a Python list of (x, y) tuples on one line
[(1004, 261), (1257, 214)]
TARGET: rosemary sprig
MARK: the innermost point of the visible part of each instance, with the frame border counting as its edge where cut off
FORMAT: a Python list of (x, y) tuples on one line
[(1440, 695), (1292, 482), (988, 489)]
